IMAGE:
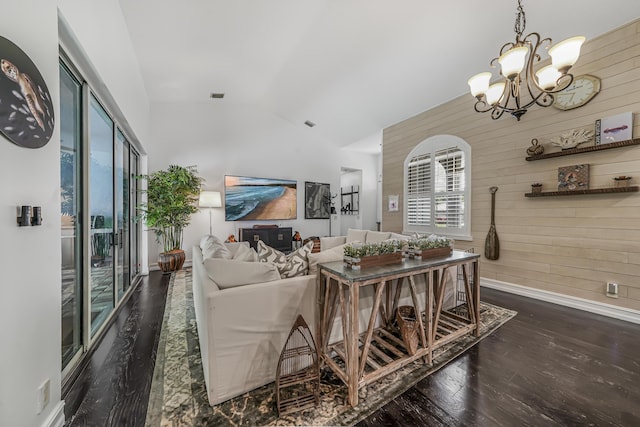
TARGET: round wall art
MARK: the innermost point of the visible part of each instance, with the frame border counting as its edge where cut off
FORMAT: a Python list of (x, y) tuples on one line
[(26, 111)]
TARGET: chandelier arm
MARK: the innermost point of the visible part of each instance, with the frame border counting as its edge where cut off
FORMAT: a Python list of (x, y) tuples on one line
[(497, 113), (482, 107)]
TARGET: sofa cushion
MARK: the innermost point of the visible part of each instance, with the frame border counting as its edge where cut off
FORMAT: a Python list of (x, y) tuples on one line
[(229, 273), (245, 253), (332, 242), (354, 235), (213, 247), (377, 236), (291, 265), (334, 254)]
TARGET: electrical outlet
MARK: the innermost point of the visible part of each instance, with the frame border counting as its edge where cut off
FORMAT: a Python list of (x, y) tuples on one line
[(44, 392), (612, 290)]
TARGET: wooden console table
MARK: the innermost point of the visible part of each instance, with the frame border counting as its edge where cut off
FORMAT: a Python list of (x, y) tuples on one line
[(364, 358)]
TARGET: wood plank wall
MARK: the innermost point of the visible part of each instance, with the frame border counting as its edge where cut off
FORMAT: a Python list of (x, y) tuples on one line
[(571, 245)]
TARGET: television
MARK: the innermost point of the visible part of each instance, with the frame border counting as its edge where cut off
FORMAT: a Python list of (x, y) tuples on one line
[(256, 199)]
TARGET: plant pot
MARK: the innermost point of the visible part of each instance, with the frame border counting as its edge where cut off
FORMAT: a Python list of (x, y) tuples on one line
[(621, 182), (171, 261), (536, 188)]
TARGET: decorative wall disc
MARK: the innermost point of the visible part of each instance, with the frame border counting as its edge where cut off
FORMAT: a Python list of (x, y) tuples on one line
[(26, 110)]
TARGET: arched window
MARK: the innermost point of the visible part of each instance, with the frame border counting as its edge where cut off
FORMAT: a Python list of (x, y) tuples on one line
[(437, 178)]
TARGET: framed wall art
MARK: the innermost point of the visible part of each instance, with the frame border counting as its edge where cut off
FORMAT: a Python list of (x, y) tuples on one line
[(574, 177), (317, 200), (26, 110), (614, 128)]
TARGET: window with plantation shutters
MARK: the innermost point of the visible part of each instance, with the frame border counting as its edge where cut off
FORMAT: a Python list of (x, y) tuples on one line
[(437, 188)]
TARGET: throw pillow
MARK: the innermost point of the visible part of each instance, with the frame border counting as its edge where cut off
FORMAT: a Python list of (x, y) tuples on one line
[(400, 237), (291, 265), (334, 254), (215, 248), (229, 273), (245, 253), (354, 235)]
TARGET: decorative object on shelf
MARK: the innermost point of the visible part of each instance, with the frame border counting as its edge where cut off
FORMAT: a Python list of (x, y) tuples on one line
[(575, 177), (572, 139), (26, 111), (535, 149), (363, 255), (172, 195), (536, 187), (317, 200), (616, 128), (621, 181), (430, 247), (408, 325), (296, 241), (298, 371), (586, 149), (492, 243), (523, 54), (582, 90), (210, 199)]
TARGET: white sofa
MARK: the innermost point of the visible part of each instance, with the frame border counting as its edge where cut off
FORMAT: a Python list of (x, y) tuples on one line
[(242, 329)]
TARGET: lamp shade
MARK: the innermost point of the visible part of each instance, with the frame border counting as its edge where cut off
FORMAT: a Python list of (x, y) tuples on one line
[(495, 92), (210, 199), (479, 84), (548, 77), (566, 53), (512, 61)]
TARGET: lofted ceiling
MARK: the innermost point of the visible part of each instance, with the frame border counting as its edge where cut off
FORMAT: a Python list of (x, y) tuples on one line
[(353, 67)]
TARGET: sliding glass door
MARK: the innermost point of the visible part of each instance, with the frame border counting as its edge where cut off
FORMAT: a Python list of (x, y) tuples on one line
[(98, 189)]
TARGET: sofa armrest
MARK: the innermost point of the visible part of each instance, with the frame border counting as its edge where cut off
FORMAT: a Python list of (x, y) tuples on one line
[(332, 242), (247, 329)]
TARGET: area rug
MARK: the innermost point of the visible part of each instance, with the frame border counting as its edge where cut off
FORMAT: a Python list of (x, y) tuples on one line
[(178, 396)]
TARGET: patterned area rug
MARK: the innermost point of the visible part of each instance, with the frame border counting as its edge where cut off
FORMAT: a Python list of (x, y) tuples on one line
[(178, 396)]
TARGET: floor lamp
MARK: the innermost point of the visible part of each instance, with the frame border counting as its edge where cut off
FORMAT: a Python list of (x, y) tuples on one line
[(210, 199)]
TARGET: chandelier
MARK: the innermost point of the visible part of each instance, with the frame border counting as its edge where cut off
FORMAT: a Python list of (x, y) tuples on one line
[(520, 88)]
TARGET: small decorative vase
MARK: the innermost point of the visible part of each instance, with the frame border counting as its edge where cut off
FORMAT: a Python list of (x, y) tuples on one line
[(621, 181), (536, 188), (535, 149)]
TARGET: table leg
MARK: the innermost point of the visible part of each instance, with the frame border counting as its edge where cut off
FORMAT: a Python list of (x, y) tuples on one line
[(352, 368)]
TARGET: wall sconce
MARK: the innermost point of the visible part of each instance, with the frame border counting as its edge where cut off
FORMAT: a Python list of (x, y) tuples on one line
[(210, 199), (30, 216), (25, 216)]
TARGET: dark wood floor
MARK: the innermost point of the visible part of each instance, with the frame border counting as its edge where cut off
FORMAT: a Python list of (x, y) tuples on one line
[(550, 365)]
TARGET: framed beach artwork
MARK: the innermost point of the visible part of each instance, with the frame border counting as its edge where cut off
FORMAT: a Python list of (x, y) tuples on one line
[(614, 128), (317, 200), (255, 199)]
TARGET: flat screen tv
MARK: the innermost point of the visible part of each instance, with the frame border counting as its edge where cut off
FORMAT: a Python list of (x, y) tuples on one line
[(254, 199)]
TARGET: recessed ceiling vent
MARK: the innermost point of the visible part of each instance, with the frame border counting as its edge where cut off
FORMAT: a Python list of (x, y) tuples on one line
[(309, 123), (217, 95)]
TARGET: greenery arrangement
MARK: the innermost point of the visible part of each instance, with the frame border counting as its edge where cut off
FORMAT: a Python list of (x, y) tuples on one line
[(431, 242), (172, 195), (360, 250)]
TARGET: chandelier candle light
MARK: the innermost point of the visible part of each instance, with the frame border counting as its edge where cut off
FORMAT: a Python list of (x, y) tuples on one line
[(510, 95)]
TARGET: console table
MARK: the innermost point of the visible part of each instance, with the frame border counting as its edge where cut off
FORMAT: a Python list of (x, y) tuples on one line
[(364, 358)]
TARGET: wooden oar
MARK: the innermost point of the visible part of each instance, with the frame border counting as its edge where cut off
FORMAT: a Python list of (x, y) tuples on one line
[(492, 244)]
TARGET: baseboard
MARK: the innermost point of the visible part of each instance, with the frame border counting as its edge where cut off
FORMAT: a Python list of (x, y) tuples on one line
[(596, 307), (56, 418)]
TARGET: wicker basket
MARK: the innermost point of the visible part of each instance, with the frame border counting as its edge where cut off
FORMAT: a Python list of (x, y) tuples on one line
[(406, 318)]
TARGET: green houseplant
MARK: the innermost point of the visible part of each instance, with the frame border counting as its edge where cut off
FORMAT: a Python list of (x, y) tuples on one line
[(172, 195)]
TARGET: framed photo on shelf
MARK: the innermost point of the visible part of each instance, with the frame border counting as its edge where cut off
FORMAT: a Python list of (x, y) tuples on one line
[(574, 177), (614, 128)]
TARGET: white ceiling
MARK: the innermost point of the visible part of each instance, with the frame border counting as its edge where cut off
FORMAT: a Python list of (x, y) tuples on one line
[(353, 67)]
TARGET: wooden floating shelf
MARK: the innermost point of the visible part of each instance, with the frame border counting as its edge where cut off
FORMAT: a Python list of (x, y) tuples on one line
[(570, 151), (579, 192)]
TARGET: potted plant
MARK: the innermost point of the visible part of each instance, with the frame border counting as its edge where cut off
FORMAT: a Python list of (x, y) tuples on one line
[(172, 195), (429, 247)]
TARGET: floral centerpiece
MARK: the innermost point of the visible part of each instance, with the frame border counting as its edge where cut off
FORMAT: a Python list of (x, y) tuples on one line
[(428, 247), (360, 255)]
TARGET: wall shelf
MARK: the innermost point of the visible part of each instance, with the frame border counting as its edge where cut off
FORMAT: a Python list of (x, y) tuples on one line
[(589, 191), (627, 143)]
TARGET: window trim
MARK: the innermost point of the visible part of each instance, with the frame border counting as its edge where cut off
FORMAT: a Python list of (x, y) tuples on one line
[(430, 146)]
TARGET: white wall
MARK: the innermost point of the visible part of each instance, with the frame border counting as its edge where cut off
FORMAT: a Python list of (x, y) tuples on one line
[(30, 257), (225, 138)]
